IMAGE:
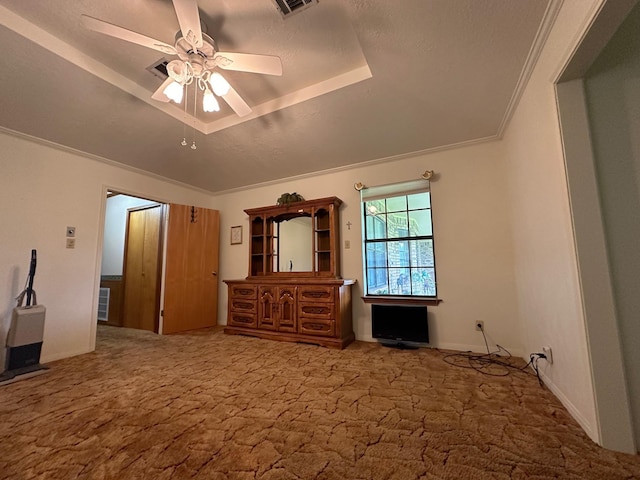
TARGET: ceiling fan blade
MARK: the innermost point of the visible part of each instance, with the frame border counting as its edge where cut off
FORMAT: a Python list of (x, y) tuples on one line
[(124, 34), (236, 102), (159, 93), (248, 62), (189, 20)]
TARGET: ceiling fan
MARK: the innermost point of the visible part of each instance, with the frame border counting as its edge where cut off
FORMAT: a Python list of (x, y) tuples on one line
[(197, 62)]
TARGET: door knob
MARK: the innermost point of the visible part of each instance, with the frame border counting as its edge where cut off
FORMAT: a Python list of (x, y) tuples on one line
[(214, 273)]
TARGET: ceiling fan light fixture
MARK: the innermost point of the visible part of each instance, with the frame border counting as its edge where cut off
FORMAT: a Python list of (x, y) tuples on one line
[(219, 85), (209, 102), (177, 70), (174, 91)]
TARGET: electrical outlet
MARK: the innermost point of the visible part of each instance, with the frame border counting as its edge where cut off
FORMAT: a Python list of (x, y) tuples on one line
[(547, 351), (479, 325), (71, 243)]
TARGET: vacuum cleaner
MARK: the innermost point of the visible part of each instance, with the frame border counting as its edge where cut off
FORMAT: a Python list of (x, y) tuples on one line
[(24, 339)]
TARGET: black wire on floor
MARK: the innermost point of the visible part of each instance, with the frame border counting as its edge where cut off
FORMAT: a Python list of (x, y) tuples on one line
[(496, 363)]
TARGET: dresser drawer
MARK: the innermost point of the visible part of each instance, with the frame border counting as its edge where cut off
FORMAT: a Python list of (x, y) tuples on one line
[(322, 311), (243, 291), (242, 320), (316, 326), (315, 293), (241, 305)]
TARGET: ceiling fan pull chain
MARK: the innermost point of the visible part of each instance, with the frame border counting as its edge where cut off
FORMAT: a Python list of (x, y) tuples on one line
[(195, 104), (184, 124)]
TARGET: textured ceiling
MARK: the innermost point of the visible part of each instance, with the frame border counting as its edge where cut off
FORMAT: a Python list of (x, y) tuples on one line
[(362, 80)]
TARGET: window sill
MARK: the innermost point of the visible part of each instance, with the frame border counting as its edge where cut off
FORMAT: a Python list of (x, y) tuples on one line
[(400, 300)]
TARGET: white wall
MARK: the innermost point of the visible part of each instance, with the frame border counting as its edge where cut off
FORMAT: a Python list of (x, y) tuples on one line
[(42, 191), (115, 226), (613, 99), (473, 242), (548, 287)]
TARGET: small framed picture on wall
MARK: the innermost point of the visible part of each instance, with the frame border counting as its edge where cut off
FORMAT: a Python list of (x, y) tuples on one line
[(236, 235)]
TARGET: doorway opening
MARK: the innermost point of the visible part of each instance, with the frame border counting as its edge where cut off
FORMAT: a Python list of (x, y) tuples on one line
[(132, 258), (159, 265)]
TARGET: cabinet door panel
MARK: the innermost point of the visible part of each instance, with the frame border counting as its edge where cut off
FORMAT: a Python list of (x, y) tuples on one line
[(287, 315), (267, 308)]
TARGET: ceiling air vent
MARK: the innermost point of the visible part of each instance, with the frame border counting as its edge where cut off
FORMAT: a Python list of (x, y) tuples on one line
[(287, 7), (159, 69)]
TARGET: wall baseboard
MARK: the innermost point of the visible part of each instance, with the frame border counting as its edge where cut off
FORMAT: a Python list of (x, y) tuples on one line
[(62, 355), (572, 409)]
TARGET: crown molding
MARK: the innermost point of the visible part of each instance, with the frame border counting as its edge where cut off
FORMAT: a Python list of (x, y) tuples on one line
[(98, 158), (542, 35)]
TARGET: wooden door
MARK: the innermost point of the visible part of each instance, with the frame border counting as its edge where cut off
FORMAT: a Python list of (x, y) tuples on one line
[(191, 277), (142, 262)]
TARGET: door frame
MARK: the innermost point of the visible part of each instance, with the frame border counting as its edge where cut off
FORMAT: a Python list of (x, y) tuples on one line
[(615, 426)]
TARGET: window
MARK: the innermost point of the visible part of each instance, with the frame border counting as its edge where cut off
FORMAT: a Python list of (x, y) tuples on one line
[(398, 240)]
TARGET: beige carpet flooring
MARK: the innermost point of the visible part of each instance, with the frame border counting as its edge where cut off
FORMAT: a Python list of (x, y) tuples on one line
[(211, 406)]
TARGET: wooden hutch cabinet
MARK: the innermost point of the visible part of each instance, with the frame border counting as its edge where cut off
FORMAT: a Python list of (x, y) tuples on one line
[(294, 291)]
